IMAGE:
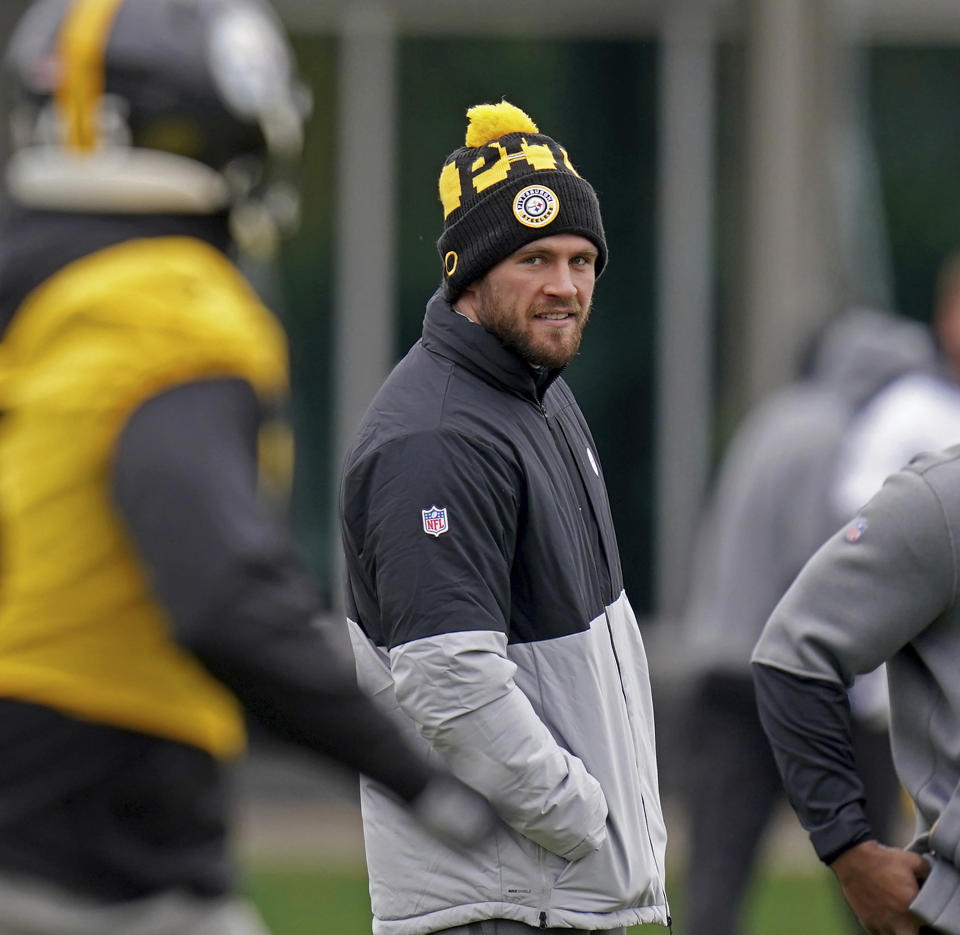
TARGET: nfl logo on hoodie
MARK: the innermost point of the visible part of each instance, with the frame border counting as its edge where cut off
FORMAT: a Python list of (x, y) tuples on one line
[(435, 520)]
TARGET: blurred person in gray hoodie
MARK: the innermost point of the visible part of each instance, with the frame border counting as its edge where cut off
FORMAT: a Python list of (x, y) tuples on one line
[(919, 411), (772, 505)]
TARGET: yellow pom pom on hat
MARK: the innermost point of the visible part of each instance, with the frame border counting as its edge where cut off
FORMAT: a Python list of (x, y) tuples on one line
[(491, 121), (508, 185)]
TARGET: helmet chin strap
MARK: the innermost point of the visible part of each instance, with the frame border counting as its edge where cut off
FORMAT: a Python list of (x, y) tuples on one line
[(122, 181)]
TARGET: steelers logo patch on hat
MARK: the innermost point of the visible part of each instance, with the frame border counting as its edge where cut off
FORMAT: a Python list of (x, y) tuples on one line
[(535, 206)]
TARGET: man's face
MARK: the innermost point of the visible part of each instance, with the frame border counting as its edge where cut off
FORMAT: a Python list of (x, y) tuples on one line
[(537, 300)]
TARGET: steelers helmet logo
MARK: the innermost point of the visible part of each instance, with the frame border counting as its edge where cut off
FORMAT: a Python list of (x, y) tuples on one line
[(535, 206)]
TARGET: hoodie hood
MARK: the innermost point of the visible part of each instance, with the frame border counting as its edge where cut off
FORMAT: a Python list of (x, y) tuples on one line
[(862, 350)]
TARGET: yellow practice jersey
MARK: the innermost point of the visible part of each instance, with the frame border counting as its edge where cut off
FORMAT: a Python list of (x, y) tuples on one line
[(80, 630)]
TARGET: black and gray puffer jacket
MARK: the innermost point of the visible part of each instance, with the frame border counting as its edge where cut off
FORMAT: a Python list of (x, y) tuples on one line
[(486, 607)]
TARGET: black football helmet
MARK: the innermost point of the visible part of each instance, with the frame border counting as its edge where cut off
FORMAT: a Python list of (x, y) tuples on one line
[(157, 106)]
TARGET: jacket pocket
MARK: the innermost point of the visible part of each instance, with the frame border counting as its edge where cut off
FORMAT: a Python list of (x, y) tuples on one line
[(528, 871), (938, 902), (552, 867)]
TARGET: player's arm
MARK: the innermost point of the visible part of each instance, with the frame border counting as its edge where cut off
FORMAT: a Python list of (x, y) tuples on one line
[(446, 601), (866, 593), (807, 723), (223, 564)]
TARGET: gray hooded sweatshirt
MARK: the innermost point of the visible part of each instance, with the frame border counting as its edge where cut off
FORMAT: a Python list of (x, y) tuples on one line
[(882, 589)]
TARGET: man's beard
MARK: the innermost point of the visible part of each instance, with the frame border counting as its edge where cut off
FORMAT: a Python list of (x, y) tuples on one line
[(550, 350)]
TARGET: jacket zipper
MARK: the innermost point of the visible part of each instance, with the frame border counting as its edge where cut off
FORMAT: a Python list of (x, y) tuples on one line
[(543, 916), (597, 551)]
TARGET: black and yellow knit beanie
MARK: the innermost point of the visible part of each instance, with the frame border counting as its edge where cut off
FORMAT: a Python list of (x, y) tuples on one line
[(508, 186)]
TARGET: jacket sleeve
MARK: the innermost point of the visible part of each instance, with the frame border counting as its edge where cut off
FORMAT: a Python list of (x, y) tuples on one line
[(808, 724), (444, 604), (223, 565), (867, 592)]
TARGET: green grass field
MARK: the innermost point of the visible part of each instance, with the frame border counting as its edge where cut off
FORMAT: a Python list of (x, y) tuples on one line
[(298, 900)]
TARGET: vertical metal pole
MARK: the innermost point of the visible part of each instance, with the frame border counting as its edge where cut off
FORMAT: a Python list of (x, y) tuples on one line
[(10, 13), (787, 283), (366, 224), (684, 312), (861, 263)]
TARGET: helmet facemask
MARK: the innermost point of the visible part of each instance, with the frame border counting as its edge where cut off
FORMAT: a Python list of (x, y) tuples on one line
[(177, 106)]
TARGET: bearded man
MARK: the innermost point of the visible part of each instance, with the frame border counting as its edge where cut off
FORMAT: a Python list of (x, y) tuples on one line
[(485, 599)]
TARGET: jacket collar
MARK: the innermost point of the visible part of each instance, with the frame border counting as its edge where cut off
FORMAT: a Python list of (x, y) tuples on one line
[(448, 333)]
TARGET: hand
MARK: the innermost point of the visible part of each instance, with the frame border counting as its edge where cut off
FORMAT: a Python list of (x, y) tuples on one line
[(453, 812), (879, 883)]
